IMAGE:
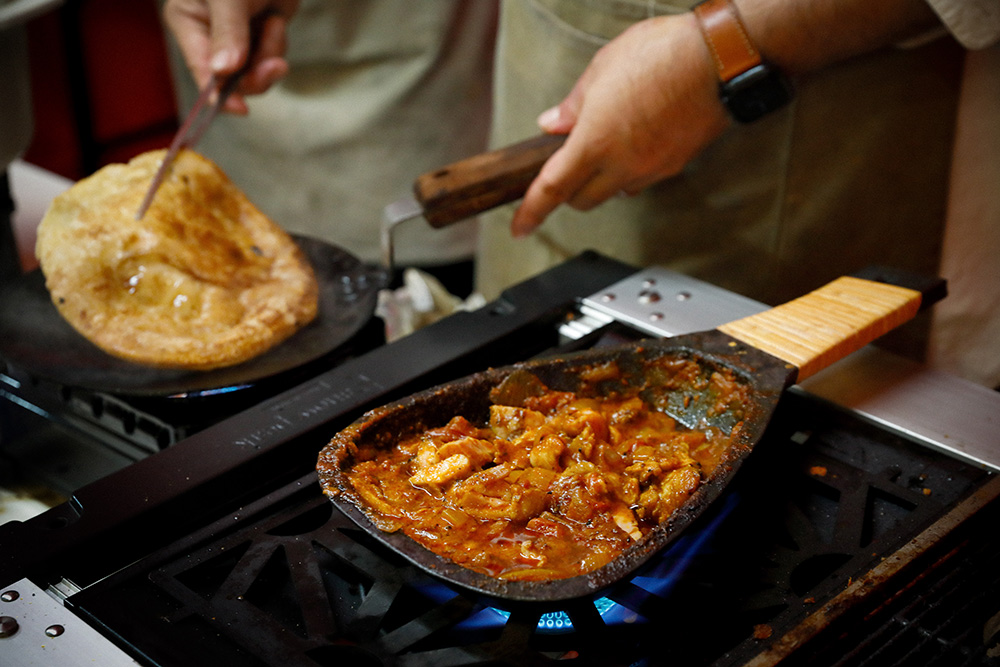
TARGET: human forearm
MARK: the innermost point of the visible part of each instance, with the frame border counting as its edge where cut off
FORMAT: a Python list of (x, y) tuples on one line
[(648, 102), (803, 35)]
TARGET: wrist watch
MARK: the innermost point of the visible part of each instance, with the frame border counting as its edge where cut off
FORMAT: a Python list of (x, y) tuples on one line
[(749, 87)]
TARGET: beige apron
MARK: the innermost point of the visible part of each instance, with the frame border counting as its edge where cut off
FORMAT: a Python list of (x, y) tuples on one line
[(379, 91), (854, 172)]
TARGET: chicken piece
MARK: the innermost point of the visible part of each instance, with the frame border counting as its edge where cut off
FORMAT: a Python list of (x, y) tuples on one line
[(661, 500), (676, 488), (550, 402), (479, 452), (366, 485), (653, 461), (673, 454), (572, 499), (547, 452), (437, 475), (427, 455), (597, 484), (516, 431), (582, 446), (512, 423), (457, 427), (645, 470), (549, 524), (583, 416), (629, 410), (503, 493), (623, 487), (483, 495), (531, 496)]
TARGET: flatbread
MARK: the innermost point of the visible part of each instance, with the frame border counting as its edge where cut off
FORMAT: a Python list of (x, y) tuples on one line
[(204, 280)]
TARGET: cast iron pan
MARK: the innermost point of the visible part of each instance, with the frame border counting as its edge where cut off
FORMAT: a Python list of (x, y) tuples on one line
[(765, 352), (35, 337)]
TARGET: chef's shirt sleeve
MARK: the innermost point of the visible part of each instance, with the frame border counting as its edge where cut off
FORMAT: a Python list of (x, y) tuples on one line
[(974, 23)]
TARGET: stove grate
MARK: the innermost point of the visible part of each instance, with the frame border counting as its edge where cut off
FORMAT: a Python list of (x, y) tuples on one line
[(948, 615), (291, 581)]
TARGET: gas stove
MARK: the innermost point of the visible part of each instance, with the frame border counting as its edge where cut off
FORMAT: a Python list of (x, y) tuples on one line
[(859, 532)]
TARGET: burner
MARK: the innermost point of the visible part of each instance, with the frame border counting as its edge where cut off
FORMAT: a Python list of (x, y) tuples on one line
[(658, 579)]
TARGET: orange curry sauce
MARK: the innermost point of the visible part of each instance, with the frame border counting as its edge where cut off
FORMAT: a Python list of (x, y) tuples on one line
[(553, 489)]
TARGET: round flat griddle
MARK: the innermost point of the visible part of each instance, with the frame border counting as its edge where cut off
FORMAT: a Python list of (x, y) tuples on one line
[(35, 337)]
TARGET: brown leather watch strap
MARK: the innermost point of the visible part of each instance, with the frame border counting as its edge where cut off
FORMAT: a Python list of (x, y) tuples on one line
[(727, 38)]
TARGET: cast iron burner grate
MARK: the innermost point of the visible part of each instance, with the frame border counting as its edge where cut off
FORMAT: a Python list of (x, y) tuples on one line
[(947, 615), (290, 581)]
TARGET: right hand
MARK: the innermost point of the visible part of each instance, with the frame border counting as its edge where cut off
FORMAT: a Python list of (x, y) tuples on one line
[(646, 104), (214, 37)]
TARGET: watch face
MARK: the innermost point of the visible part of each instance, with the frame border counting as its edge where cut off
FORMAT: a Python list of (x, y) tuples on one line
[(759, 90)]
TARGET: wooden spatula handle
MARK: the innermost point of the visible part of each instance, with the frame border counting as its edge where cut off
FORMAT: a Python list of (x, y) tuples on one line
[(481, 182), (826, 325)]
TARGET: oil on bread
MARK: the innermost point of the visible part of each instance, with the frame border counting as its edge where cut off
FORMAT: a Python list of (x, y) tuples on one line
[(204, 280)]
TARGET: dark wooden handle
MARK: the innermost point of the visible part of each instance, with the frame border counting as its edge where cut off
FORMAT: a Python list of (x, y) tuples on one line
[(481, 182)]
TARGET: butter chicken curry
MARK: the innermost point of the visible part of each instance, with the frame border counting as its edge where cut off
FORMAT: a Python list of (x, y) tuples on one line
[(554, 485)]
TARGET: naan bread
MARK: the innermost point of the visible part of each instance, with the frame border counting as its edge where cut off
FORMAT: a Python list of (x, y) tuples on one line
[(204, 280)]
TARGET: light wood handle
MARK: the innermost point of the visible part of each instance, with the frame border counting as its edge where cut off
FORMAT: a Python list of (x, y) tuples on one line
[(826, 325)]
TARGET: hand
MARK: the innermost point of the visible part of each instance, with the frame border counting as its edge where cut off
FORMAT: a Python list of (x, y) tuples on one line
[(646, 105), (214, 36)]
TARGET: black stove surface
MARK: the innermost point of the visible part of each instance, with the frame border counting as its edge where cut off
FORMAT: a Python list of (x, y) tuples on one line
[(221, 549), (289, 580)]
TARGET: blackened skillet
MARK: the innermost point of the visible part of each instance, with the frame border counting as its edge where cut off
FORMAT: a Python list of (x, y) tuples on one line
[(36, 338), (765, 353)]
